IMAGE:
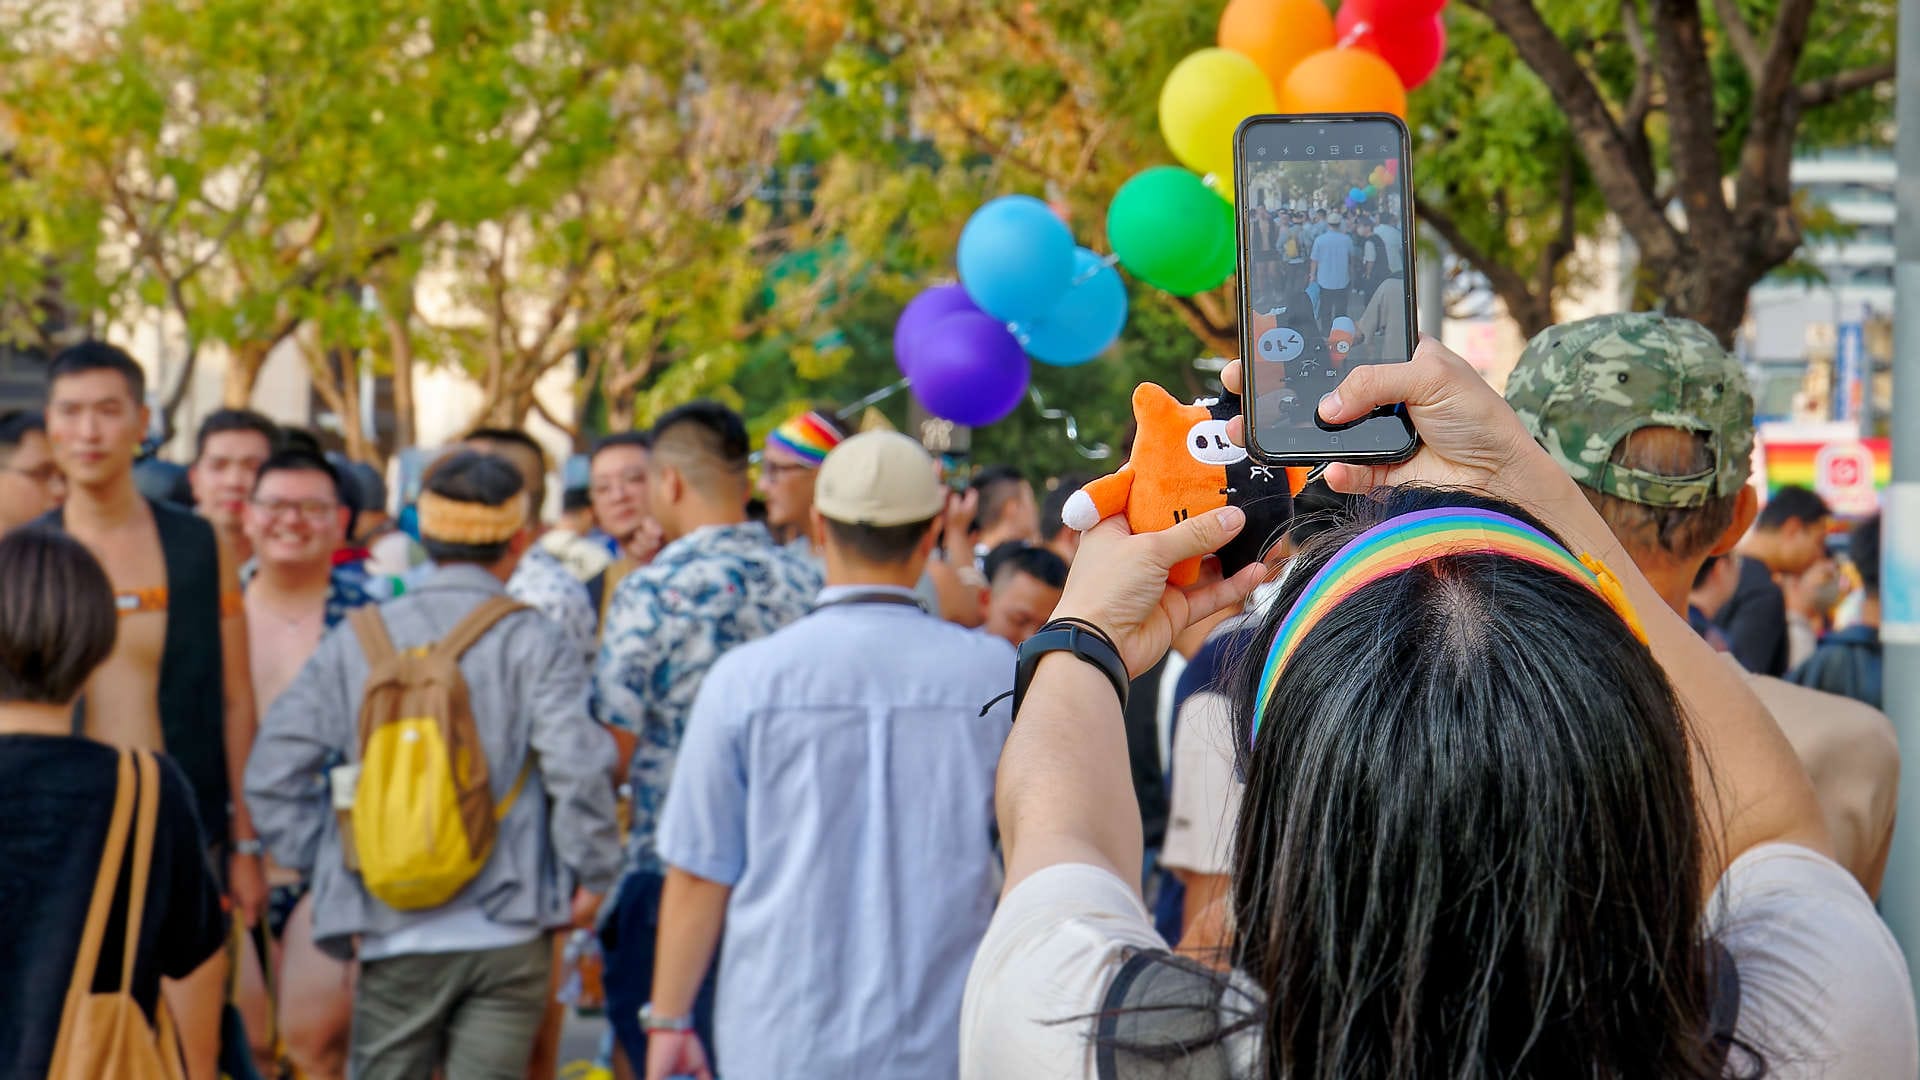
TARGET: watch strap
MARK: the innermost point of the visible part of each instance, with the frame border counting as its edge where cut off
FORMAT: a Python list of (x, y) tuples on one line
[(651, 1022), (1083, 642)]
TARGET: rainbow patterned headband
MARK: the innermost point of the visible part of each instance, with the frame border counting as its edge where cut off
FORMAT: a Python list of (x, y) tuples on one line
[(1411, 539), (809, 436)]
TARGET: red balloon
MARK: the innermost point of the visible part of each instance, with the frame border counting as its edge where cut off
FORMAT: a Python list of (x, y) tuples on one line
[(1387, 12), (1412, 47)]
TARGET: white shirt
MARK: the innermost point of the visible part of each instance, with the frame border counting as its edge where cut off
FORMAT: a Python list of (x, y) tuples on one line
[(1205, 801), (1823, 986)]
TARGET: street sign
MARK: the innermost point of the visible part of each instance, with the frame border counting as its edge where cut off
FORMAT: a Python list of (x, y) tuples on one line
[(1850, 373)]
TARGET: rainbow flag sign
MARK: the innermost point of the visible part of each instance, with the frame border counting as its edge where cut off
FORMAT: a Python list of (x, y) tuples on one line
[(1848, 471)]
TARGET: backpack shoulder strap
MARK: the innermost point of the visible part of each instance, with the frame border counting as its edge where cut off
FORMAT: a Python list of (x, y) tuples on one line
[(371, 629), (475, 625), (112, 855)]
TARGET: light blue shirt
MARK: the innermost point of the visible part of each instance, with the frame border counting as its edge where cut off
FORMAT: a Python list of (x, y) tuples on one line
[(1332, 256), (839, 776)]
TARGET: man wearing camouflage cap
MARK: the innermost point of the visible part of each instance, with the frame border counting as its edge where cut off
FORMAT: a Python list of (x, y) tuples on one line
[(1654, 421)]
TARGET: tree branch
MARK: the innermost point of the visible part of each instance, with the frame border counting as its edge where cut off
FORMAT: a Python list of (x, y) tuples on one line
[(1600, 139), (1693, 147), (1507, 283), (1833, 87), (1740, 36), (1633, 121)]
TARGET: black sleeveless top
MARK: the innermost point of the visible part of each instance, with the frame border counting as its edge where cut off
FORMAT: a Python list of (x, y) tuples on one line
[(193, 708)]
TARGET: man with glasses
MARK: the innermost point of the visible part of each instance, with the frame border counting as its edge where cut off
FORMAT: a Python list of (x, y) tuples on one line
[(30, 482), (789, 462), (617, 490), (295, 519)]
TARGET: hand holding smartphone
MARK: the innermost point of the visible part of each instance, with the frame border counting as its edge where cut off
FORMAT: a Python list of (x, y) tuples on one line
[(1325, 222)]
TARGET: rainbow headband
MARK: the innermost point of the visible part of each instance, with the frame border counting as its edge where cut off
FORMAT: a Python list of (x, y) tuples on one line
[(809, 436), (1411, 539)]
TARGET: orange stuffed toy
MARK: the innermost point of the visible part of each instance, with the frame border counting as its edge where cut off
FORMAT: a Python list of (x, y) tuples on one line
[(1178, 469)]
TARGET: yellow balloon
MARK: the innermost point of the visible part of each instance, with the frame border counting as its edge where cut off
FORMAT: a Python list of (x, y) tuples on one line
[(1204, 98)]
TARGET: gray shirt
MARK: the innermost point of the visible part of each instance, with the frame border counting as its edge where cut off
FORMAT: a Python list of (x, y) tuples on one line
[(528, 689)]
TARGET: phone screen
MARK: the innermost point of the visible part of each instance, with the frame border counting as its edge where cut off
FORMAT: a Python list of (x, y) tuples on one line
[(1325, 278)]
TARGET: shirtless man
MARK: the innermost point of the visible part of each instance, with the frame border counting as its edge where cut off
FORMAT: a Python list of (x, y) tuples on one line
[(227, 454), (166, 685), (295, 519)]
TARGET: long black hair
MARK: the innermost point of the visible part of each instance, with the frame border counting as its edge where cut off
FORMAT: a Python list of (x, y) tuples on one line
[(1469, 844)]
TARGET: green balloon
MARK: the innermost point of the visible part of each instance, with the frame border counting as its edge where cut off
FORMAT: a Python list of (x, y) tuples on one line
[(1171, 231)]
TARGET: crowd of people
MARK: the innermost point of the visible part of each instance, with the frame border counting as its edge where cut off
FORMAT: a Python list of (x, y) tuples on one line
[(1547, 752), (1349, 266)]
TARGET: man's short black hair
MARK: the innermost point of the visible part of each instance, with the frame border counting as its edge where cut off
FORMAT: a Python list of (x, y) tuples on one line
[(537, 483), (293, 460), (1014, 557), (886, 545), (1863, 548), (15, 426), (1055, 504), (725, 432), (1793, 503), (470, 476), (99, 356), (639, 440), (575, 498), (999, 487), (221, 421)]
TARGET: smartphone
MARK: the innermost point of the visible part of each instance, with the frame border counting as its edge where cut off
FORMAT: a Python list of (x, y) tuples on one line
[(1325, 220)]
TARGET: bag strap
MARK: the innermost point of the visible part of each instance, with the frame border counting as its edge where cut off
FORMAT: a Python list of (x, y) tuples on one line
[(98, 910), (371, 629), (474, 626), (147, 816)]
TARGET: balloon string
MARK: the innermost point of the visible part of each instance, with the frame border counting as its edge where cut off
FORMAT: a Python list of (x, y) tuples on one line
[(1096, 452)]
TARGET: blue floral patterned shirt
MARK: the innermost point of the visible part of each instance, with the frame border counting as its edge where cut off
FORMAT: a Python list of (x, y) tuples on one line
[(668, 621)]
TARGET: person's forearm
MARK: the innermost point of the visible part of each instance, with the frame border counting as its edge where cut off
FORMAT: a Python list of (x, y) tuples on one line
[(692, 912), (1065, 765), (959, 601), (1750, 786)]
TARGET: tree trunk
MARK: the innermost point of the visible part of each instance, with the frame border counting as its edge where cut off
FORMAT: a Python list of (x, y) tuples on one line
[(400, 337), (244, 361)]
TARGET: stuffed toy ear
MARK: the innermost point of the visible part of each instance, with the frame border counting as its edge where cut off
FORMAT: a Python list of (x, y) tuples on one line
[(1262, 491), (1152, 405)]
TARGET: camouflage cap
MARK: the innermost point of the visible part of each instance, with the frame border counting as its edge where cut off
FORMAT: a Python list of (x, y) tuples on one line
[(1583, 387)]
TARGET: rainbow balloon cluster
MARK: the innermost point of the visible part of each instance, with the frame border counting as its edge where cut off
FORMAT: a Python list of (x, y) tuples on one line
[(1026, 289), (1172, 228), (1377, 181)]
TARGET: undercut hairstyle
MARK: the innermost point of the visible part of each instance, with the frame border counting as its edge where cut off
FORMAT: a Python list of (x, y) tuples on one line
[(1863, 550), (1792, 503), (999, 487), (1054, 506), (1506, 708), (99, 356), (15, 426), (1013, 558), (537, 483), (470, 476), (639, 440), (575, 499), (57, 619), (221, 421), (1682, 533), (303, 461), (707, 442), (881, 545)]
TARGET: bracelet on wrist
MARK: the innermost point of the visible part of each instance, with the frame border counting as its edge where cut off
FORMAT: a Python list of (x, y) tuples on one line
[(252, 848)]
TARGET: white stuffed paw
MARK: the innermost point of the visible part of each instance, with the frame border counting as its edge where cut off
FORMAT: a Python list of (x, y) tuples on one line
[(1079, 514)]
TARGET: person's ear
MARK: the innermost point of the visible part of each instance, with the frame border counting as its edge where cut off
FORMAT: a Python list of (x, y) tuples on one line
[(1746, 507)]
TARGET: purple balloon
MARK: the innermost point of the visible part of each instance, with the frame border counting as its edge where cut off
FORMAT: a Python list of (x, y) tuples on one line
[(918, 317), (969, 369)]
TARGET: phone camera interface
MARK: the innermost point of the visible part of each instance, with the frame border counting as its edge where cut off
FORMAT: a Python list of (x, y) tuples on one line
[(1326, 267)]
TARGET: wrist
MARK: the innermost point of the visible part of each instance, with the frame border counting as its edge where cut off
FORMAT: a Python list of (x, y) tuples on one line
[(247, 847), (654, 1020)]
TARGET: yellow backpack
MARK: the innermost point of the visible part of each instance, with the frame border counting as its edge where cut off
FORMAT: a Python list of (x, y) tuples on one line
[(423, 819)]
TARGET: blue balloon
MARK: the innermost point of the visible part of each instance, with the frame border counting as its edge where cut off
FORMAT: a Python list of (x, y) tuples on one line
[(1015, 258), (1087, 319)]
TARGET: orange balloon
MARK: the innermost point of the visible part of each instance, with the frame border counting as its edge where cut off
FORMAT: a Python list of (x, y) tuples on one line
[(1343, 80), (1276, 34)]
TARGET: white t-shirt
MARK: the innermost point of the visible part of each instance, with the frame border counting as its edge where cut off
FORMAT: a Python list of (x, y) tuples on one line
[(1205, 801), (1823, 987)]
